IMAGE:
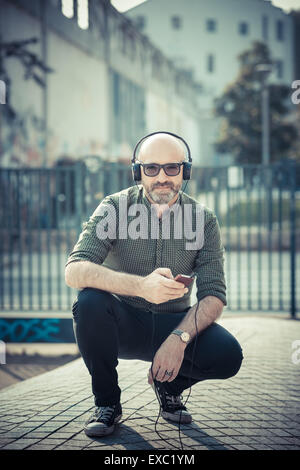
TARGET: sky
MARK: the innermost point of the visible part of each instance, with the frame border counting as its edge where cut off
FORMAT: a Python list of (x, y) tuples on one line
[(287, 5), (124, 5)]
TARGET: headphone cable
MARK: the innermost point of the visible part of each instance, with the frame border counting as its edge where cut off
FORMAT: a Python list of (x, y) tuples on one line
[(190, 386)]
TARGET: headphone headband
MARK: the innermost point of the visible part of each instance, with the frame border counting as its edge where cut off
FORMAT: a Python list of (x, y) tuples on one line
[(161, 132), (136, 167)]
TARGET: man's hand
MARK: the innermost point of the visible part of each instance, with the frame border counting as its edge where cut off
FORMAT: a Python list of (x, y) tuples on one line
[(169, 358), (160, 286)]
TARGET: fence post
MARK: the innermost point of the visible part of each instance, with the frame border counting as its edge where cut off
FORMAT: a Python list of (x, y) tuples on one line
[(79, 193), (292, 168), (113, 177)]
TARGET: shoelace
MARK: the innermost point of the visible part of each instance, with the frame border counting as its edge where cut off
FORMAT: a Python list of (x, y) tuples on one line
[(104, 413), (174, 402)]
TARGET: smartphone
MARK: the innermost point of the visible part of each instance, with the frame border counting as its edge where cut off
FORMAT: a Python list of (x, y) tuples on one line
[(186, 280)]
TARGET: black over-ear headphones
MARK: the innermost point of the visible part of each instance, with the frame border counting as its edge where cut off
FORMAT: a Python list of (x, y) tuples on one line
[(136, 167)]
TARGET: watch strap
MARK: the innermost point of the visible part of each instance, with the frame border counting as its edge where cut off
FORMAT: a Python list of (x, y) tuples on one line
[(179, 333)]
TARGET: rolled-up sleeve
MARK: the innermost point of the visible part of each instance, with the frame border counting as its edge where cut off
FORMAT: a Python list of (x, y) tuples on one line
[(90, 246), (209, 264)]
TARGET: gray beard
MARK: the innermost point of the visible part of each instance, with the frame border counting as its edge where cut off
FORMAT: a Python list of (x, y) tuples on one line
[(163, 198)]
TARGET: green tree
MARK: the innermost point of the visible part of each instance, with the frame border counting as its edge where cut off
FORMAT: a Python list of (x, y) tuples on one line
[(240, 106)]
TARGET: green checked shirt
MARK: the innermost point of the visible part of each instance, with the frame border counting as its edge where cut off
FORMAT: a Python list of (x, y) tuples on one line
[(154, 247)]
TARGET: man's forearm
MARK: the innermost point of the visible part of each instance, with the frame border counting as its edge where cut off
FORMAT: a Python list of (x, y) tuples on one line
[(209, 310), (83, 274)]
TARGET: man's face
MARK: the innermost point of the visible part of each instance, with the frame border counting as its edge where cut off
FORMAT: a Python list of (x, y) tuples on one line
[(162, 188)]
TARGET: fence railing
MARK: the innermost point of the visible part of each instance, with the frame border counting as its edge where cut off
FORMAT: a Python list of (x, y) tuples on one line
[(42, 211)]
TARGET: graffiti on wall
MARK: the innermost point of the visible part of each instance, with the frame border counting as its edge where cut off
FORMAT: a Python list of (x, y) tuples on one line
[(22, 140), (36, 330)]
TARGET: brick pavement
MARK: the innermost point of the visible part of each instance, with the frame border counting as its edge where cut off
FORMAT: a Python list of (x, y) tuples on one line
[(257, 409)]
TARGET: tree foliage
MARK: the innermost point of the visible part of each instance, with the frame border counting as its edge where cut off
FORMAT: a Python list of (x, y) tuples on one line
[(241, 107), (34, 68)]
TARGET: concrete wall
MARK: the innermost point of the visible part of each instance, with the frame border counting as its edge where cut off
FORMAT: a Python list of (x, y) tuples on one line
[(161, 114), (78, 101), (78, 104)]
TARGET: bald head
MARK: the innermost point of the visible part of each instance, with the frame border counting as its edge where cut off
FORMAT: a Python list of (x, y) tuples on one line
[(159, 148)]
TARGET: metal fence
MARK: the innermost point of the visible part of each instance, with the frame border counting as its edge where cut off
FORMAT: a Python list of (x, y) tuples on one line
[(42, 211)]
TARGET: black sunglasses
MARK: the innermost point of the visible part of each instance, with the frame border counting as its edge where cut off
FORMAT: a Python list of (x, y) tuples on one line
[(153, 169)]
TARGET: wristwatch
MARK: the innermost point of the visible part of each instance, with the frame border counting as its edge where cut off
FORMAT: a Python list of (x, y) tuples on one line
[(184, 335)]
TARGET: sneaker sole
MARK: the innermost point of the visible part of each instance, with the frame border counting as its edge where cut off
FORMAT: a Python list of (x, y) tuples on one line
[(98, 430), (183, 419)]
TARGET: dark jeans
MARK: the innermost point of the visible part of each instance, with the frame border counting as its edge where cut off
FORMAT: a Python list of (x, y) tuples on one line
[(107, 329)]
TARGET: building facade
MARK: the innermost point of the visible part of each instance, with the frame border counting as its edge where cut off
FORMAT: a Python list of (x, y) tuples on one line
[(108, 85), (206, 37)]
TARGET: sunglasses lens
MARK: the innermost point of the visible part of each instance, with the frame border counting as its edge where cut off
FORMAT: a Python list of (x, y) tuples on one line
[(172, 169), (151, 170)]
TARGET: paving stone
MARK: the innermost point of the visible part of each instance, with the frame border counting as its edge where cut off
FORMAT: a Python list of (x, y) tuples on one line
[(281, 432), (40, 446), (256, 409), (263, 447), (68, 447), (15, 434), (4, 442), (242, 447), (20, 444), (291, 440), (53, 441), (36, 435)]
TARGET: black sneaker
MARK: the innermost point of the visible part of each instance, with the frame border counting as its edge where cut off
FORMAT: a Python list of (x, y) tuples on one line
[(172, 408), (102, 421)]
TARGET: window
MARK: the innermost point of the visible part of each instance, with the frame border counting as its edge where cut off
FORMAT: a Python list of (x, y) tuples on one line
[(279, 30), (279, 64), (265, 28), (77, 8), (243, 28), (210, 63), (176, 22), (67, 8), (140, 22), (83, 14), (211, 25)]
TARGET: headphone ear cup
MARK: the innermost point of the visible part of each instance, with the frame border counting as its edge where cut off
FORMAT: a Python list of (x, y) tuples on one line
[(187, 170), (136, 171)]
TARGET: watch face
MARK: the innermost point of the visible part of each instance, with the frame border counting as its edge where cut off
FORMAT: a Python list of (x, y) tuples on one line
[(185, 337)]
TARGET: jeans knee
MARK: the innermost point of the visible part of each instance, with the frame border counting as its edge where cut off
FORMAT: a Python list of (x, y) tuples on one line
[(234, 359), (91, 301), (237, 360)]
